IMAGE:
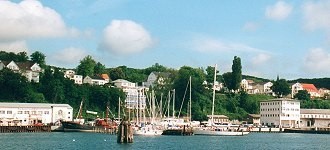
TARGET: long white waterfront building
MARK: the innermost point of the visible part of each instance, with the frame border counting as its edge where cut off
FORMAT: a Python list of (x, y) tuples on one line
[(21, 114)]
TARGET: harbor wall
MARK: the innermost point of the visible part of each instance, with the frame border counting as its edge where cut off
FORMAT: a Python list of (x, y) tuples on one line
[(9, 129)]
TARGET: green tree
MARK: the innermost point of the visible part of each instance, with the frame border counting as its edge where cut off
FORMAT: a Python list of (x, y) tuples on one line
[(39, 58), (182, 92), (281, 87), (22, 57), (236, 73), (13, 86), (302, 95), (156, 67), (228, 80), (117, 73), (99, 68), (86, 66)]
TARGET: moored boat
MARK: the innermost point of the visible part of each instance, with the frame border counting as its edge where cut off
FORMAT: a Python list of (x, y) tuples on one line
[(219, 132), (147, 130), (72, 126)]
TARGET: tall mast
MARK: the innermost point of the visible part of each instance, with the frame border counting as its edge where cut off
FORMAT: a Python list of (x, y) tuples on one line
[(213, 97), (190, 99), (119, 109), (161, 105), (80, 110), (168, 104), (173, 103), (107, 112)]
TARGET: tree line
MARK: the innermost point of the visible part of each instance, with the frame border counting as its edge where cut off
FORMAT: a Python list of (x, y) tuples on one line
[(55, 88)]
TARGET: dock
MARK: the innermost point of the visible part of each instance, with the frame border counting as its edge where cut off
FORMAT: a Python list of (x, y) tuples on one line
[(10, 129)]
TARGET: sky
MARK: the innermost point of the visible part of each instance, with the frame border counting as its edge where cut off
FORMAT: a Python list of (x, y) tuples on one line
[(272, 37)]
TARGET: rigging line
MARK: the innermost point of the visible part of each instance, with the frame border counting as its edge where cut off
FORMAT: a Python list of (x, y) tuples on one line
[(184, 96), (111, 112)]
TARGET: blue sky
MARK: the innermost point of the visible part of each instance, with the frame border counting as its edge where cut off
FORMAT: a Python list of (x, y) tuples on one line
[(286, 38)]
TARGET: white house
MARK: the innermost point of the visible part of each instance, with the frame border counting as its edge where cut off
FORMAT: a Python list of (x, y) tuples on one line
[(325, 93), (78, 79), (246, 86), (94, 80), (156, 77), (251, 87), (28, 69), (71, 74), (32, 113), (315, 117), (280, 112), (310, 88)]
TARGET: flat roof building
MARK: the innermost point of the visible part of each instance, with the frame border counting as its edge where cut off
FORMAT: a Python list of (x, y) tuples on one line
[(280, 113), (33, 113)]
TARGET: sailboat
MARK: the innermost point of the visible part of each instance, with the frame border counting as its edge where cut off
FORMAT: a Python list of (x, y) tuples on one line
[(178, 126), (78, 124), (218, 130), (149, 129)]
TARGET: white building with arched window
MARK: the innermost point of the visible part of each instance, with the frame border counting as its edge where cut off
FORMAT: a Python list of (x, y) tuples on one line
[(21, 114)]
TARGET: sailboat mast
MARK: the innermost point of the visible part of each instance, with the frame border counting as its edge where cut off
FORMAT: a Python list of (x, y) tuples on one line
[(213, 97), (119, 109), (168, 104), (190, 99), (80, 110), (161, 105), (173, 103)]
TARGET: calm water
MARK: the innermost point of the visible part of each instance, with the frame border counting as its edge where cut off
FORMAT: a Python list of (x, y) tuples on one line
[(97, 141)]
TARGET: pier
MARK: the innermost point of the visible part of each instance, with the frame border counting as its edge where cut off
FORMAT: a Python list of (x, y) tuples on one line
[(10, 129)]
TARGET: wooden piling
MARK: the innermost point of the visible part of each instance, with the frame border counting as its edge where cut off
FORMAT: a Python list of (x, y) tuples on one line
[(125, 132)]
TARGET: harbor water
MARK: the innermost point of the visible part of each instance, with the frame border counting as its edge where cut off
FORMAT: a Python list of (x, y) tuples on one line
[(97, 141)]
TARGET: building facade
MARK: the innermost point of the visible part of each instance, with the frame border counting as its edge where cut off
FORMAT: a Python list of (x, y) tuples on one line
[(315, 117), (23, 114), (135, 96), (280, 113), (28, 69), (310, 88)]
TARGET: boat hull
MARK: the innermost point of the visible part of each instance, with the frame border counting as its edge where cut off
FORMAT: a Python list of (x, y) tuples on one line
[(220, 133), (70, 126)]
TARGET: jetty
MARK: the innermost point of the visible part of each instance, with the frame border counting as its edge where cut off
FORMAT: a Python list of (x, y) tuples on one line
[(31, 128), (314, 130)]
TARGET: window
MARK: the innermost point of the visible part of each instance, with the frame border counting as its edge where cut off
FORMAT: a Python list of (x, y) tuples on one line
[(2, 112), (46, 112), (9, 112), (39, 112), (33, 112), (26, 112), (20, 112)]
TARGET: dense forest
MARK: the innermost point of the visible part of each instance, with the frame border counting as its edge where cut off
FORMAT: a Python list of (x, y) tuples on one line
[(55, 88)]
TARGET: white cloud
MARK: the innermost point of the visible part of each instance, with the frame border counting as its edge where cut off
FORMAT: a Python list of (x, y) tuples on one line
[(280, 11), (16, 46), (260, 59), (317, 61), (209, 44), (250, 26), (69, 55), (317, 15), (30, 19), (123, 37)]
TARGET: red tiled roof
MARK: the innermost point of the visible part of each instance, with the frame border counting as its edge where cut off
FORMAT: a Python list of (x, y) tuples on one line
[(309, 87), (105, 76)]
